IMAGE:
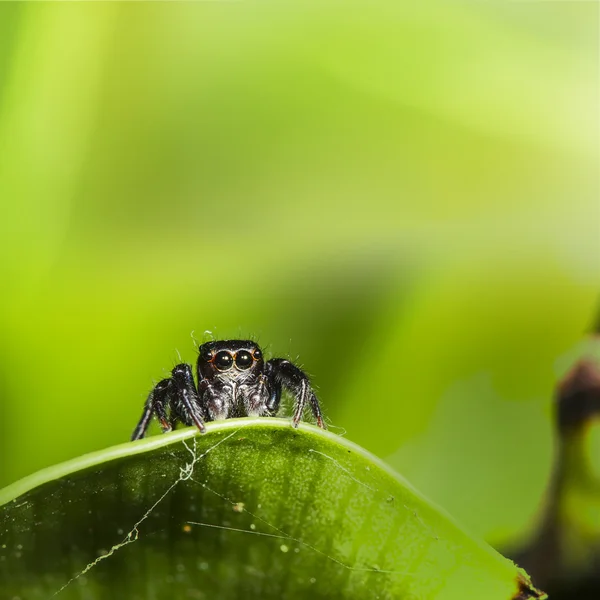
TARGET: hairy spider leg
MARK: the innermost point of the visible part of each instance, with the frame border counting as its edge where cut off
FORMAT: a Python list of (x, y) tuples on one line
[(178, 394), (274, 400), (187, 402), (144, 422), (294, 379), (157, 399)]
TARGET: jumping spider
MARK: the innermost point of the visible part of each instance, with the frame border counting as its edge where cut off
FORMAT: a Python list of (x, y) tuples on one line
[(233, 381)]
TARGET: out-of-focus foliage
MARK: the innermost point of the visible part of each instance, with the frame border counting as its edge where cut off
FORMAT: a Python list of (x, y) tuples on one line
[(564, 553), (405, 197)]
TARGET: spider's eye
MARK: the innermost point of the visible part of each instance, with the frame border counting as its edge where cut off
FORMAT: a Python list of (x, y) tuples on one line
[(207, 355), (223, 360), (243, 360), (257, 354)]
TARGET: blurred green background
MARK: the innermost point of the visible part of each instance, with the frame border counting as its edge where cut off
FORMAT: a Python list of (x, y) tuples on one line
[(402, 198)]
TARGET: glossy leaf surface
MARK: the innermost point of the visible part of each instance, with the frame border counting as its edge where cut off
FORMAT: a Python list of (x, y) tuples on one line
[(252, 509)]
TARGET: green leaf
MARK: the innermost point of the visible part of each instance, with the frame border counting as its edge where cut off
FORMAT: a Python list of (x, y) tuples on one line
[(252, 509)]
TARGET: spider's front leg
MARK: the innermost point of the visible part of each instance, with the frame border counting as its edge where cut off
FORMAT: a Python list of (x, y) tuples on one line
[(178, 395), (157, 402), (186, 402), (287, 374)]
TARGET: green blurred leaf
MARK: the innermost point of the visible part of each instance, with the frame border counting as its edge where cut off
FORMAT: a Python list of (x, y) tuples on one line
[(252, 509)]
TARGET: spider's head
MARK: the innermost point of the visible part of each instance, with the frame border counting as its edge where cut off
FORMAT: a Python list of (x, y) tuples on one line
[(229, 359)]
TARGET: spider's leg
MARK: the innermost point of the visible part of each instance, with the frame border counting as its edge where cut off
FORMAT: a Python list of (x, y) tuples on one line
[(186, 403), (274, 400), (140, 430), (156, 404), (262, 397), (291, 377)]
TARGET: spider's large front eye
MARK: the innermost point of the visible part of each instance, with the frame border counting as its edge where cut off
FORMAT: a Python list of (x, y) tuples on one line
[(243, 360), (223, 360)]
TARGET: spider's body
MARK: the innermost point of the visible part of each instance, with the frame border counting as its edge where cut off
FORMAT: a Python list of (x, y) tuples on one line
[(233, 380)]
